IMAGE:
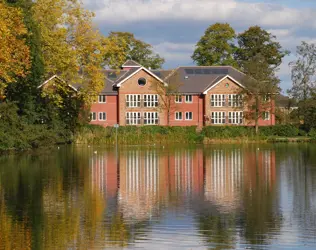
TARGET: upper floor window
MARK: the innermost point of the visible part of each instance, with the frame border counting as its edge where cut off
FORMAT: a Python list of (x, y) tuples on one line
[(217, 100), (218, 118), (102, 116), (266, 116), (102, 98), (133, 118), (150, 100), (132, 101), (93, 116), (188, 98), (150, 118), (142, 81), (266, 98), (178, 99), (178, 116), (188, 115), (235, 117), (235, 100)]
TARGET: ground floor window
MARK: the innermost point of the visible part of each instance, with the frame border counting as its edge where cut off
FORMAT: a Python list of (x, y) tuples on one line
[(102, 116), (133, 118), (178, 116), (188, 115), (150, 118), (93, 116), (218, 118), (266, 116), (235, 117)]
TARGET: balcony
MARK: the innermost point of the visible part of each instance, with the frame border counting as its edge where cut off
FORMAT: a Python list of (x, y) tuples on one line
[(141, 104), (142, 121)]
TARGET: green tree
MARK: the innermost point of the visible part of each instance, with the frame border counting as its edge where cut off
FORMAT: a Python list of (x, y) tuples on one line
[(216, 46), (256, 41), (122, 46)]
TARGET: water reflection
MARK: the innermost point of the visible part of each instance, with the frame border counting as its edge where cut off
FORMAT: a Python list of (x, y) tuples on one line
[(220, 196)]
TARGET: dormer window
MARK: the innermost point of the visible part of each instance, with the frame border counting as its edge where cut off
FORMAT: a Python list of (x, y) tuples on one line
[(142, 81)]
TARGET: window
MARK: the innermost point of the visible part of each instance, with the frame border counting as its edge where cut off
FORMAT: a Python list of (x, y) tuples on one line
[(93, 116), (142, 81), (102, 116), (102, 98), (235, 117), (132, 101), (150, 118), (188, 115), (266, 98), (188, 98), (150, 100), (178, 116), (178, 99), (132, 118), (218, 118), (234, 100), (266, 116), (217, 100)]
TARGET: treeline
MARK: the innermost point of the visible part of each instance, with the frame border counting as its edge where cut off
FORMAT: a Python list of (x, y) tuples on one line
[(43, 38)]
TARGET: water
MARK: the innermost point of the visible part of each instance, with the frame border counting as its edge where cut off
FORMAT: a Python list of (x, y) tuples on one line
[(214, 197)]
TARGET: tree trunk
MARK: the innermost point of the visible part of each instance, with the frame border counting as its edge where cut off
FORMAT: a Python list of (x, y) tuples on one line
[(257, 116)]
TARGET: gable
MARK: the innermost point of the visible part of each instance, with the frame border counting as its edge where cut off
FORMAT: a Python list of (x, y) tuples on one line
[(225, 84)]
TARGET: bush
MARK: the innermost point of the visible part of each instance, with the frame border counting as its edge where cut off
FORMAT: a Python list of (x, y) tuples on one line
[(280, 130), (312, 133), (226, 132)]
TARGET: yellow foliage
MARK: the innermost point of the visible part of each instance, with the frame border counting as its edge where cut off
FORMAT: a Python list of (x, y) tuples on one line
[(14, 53)]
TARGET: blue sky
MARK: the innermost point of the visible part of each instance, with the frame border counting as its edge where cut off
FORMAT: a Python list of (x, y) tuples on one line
[(173, 27)]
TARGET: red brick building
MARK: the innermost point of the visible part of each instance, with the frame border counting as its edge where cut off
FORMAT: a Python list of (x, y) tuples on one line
[(186, 96)]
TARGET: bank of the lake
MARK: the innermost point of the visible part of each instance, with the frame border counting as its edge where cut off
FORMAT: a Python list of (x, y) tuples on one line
[(92, 134)]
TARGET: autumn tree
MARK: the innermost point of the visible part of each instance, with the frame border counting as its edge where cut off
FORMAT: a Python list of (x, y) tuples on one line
[(303, 79), (14, 53), (121, 46), (216, 46)]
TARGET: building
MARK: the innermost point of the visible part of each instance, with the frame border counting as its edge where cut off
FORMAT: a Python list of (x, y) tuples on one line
[(197, 96)]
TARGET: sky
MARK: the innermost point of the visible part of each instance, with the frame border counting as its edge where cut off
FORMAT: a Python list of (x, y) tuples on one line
[(173, 27)]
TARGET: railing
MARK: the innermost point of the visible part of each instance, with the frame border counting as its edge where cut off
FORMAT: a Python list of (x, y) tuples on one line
[(227, 121), (142, 121), (140, 104)]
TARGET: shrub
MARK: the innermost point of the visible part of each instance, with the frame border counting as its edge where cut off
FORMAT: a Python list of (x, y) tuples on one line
[(280, 130)]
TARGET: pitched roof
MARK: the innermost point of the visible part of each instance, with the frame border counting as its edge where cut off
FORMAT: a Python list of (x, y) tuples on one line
[(283, 101), (131, 63)]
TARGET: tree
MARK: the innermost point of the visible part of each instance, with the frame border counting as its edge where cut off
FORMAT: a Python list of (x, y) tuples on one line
[(122, 46), (256, 41), (14, 53), (216, 46), (261, 84), (71, 47)]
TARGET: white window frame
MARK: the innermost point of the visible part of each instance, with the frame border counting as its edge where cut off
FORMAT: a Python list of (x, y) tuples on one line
[(102, 99), (188, 118), (93, 116), (266, 116), (133, 100), (267, 98), (218, 100), (133, 118), (218, 117), (235, 117), (235, 100), (102, 116), (188, 98), (150, 100), (177, 114), (151, 118), (178, 99)]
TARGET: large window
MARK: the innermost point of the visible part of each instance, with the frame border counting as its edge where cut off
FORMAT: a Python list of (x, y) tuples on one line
[(133, 118), (102, 98), (266, 116), (217, 100), (150, 118), (150, 100), (188, 98), (102, 116), (218, 118), (234, 100), (235, 117), (132, 101), (178, 116), (178, 99), (188, 115), (93, 116)]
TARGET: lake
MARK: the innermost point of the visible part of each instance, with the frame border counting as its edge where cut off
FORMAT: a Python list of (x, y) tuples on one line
[(154, 197)]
